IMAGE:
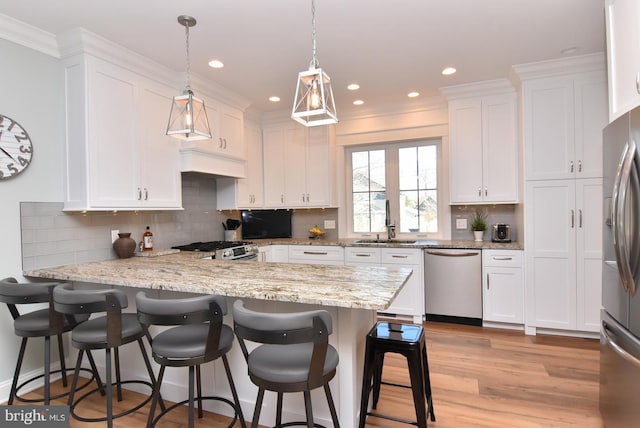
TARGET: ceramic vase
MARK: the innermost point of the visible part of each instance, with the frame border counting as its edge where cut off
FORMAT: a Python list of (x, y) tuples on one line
[(124, 246), (478, 234)]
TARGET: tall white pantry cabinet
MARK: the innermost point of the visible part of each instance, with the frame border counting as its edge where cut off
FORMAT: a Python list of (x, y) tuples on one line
[(563, 118)]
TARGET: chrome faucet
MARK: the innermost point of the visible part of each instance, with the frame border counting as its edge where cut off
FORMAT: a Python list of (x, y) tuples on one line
[(391, 228)]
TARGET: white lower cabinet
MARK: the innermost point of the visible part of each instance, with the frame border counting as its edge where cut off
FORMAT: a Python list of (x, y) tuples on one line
[(564, 254), (316, 254), (409, 302), (502, 287), (277, 254)]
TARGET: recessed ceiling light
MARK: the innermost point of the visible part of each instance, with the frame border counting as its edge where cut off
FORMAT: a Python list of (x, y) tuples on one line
[(274, 99), (216, 63), (358, 102), (448, 71), (353, 86), (413, 94)]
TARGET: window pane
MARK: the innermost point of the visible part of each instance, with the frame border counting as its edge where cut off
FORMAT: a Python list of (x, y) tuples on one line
[(368, 190), (377, 168), (418, 189)]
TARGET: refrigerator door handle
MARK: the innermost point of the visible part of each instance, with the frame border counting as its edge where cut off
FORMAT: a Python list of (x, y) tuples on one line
[(609, 340), (619, 201)]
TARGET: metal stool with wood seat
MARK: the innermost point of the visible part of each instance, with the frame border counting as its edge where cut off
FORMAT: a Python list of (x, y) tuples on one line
[(407, 340), (198, 336), (39, 323), (294, 356), (108, 332)]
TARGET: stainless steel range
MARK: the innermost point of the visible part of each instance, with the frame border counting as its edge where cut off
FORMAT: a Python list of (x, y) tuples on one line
[(224, 250)]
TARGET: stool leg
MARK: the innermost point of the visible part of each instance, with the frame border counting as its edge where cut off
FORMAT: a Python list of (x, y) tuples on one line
[(332, 407), (14, 384), (279, 409), (308, 408), (199, 386), (63, 365), (107, 359), (156, 396), (118, 377), (232, 386), (367, 375), (94, 368), (47, 369), (417, 387), (191, 386), (377, 377), (152, 377), (74, 381), (427, 384), (256, 410)]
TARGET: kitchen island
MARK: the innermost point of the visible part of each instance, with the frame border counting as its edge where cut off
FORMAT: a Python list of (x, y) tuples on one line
[(352, 295)]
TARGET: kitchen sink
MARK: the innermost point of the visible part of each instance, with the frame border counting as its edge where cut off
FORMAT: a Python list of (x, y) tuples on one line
[(384, 241)]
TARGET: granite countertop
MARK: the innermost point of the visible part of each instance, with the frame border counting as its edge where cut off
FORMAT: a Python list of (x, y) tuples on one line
[(430, 243), (338, 286)]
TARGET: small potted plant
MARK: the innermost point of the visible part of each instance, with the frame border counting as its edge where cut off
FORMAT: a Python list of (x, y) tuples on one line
[(478, 224)]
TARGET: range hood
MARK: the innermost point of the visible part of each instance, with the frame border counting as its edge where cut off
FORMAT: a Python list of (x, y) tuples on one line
[(195, 159)]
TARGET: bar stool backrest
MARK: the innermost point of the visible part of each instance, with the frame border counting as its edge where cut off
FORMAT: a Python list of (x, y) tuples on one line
[(194, 310), (285, 329), (68, 300), (13, 293)]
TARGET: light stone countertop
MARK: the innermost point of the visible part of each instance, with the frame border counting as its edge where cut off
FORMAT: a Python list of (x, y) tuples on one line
[(336, 286), (421, 244)]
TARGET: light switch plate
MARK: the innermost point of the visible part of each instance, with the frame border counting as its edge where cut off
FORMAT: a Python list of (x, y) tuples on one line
[(329, 224), (461, 223), (114, 235)]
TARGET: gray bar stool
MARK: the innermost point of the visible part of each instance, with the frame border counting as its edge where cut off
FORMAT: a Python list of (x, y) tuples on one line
[(294, 356), (107, 332), (407, 340), (39, 323), (199, 337)]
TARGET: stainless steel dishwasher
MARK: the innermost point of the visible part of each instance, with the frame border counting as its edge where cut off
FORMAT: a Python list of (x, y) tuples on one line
[(453, 285)]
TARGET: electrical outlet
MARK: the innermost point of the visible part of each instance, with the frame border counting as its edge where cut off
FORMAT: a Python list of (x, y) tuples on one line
[(329, 224), (461, 223), (114, 235)]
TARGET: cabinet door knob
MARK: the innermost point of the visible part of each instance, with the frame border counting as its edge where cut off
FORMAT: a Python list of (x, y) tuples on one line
[(139, 194), (579, 166), (146, 194), (571, 167), (638, 82)]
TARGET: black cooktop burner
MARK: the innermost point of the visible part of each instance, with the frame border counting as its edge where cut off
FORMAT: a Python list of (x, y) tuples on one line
[(210, 246)]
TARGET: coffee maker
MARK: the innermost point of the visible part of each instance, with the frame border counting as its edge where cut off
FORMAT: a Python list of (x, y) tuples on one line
[(501, 232)]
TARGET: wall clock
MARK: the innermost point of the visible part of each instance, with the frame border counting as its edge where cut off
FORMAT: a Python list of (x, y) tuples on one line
[(15, 148)]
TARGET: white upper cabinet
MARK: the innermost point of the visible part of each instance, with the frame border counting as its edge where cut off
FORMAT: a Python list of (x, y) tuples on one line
[(239, 193), (117, 153), (484, 149), (563, 121), (299, 166), (623, 39)]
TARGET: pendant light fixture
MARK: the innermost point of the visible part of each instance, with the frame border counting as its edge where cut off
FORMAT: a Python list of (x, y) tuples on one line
[(314, 104), (188, 120)]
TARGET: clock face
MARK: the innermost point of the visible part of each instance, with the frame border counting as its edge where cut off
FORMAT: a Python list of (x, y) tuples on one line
[(15, 148)]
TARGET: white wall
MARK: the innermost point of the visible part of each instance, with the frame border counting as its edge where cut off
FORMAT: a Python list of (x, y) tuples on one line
[(32, 90)]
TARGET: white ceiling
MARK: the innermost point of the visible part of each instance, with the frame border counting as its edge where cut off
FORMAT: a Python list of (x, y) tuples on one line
[(389, 47)]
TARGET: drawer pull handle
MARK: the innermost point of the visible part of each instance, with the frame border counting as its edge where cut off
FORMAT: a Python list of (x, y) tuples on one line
[(363, 255), (395, 256), (503, 258), (316, 253)]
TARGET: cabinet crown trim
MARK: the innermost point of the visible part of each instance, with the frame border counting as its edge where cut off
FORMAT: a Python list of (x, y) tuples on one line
[(487, 87), (559, 67)]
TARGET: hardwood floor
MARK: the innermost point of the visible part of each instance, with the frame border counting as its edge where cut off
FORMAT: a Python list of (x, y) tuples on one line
[(481, 378)]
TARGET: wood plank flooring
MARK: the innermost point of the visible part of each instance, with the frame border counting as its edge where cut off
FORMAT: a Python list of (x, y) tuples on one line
[(481, 378)]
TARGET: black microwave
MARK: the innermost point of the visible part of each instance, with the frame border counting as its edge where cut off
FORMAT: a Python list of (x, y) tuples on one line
[(261, 224)]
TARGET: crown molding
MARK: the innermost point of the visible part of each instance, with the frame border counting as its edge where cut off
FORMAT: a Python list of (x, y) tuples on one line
[(559, 67), (29, 36), (475, 89)]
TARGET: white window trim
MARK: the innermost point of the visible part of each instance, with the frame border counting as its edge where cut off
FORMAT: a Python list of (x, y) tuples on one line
[(392, 185)]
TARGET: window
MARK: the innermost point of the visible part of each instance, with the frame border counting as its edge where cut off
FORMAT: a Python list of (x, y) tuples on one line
[(406, 174)]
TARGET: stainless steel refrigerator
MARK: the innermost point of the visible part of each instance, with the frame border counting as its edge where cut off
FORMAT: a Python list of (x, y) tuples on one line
[(620, 325)]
